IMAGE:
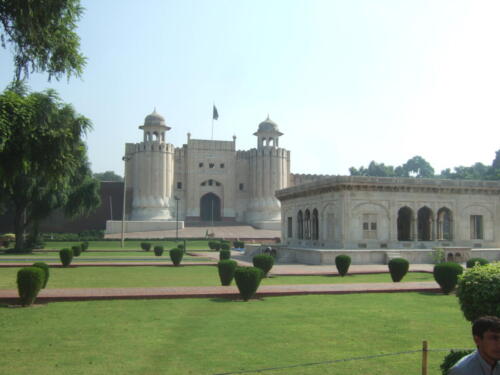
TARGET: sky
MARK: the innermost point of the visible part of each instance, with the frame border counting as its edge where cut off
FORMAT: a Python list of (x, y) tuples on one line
[(347, 82)]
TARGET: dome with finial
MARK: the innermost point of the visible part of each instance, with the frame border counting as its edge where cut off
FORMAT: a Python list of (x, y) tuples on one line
[(154, 119), (268, 126)]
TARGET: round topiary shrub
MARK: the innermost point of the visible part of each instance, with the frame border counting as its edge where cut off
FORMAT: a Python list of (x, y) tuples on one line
[(158, 251), (225, 246), (478, 291), (176, 255), (342, 262), (181, 246), (446, 275), (226, 269), (211, 244), (45, 267), (29, 283), (451, 358), (66, 256), (248, 280), (398, 267), (84, 245), (472, 262), (264, 262), (216, 245), (238, 244), (224, 254), (146, 246), (77, 250)]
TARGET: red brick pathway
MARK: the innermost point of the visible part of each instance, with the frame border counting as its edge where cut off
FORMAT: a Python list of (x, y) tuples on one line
[(93, 294)]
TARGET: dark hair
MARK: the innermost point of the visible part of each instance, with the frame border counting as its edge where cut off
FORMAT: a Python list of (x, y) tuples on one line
[(485, 323)]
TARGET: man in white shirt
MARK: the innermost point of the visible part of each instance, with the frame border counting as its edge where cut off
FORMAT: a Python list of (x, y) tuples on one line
[(484, 361)]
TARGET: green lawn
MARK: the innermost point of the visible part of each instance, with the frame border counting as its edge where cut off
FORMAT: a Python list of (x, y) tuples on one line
[(53, 256), (192, 245), (204, 336), (157, 276)]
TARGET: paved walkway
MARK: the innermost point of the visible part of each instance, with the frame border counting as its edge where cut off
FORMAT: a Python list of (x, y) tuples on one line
[(231, 292)]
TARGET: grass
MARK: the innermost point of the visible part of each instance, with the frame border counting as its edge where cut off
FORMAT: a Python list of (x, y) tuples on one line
[(157, 276), (53, 256), (192, 245), (202, 336)]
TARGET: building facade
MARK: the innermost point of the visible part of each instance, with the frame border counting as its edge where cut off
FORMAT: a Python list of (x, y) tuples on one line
[(205, 180), (391, 213)]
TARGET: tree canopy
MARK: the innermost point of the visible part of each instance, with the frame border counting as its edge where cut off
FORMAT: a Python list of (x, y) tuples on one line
[(417, 166), (108, 176), (43, 159), (43, 37)]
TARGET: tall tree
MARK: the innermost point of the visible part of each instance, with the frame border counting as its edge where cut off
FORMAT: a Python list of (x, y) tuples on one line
[(43, 37), (43, 162), (417, 166), (108, 176)]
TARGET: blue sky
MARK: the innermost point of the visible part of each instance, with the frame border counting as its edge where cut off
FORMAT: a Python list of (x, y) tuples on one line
[(347, 82)]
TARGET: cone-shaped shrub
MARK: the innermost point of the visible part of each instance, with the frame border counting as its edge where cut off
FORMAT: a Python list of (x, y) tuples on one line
[(446, 275), (29, 283), (176, 255), (158, 251), (226, 271), (343, 262), (45, 268), (264, 262), (472, 262), (77, 250), (225, 246), (66, 256), (224, 254), (398, 267), (85, 245), (248, 280), (146, 246)]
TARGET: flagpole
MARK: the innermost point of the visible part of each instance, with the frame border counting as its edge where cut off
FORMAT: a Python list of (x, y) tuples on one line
[(213, 106)]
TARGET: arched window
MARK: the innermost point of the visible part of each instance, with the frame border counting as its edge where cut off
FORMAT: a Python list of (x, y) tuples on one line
[(425, 222), (405, 224), (155, 136), (444, 224), (300, 225), (315, 225), (307, 226)]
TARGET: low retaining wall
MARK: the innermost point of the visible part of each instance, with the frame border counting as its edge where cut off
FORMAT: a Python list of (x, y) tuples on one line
[(327, 257), (115, 226)]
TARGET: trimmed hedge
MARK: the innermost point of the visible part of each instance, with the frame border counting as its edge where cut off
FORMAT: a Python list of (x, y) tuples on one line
[(212, 244), (66, 256), (29, 283), (146, 246), (342, 262), (478, 290), (77, 250), (158, 251), (225, 246), (226, 269), (45, 267), (398, 267), (451, 358), (264, 262), (472, 262), (238, 244), (85, 245), (446, 275), (176, 255), (248, 280), (224, 254), (181, 246)]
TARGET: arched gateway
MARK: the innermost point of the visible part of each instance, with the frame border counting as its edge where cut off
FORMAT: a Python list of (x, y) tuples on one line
[(210, 207)]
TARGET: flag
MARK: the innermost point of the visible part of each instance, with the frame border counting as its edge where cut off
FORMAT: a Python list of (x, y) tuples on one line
[(215, 115)]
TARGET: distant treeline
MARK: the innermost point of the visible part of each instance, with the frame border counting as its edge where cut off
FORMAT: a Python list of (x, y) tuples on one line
[(417, 166)]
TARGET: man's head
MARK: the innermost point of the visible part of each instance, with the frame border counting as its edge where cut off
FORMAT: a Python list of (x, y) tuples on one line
[(486, 332)]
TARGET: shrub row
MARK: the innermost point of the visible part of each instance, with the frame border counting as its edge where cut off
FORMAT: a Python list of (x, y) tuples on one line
[(238, 244), (219, 245)]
